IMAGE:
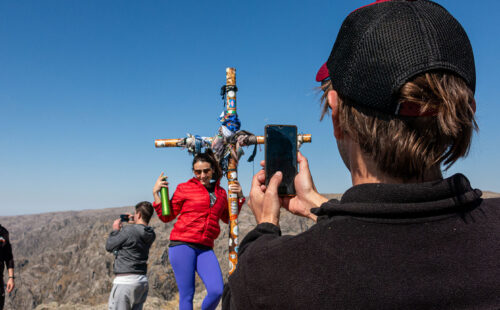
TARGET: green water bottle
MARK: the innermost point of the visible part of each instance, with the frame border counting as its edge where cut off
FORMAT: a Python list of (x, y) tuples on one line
[(165, 202)]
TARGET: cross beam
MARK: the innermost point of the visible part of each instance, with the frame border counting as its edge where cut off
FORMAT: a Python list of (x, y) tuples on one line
[(301, 138)]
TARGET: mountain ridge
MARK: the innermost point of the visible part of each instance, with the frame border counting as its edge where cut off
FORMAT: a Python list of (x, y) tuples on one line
[(61, 261)]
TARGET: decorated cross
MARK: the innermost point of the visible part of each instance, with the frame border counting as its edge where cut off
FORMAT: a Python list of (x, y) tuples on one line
[(227, 146)]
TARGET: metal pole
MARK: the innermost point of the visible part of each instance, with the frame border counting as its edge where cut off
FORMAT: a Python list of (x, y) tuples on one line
[(232, 175)]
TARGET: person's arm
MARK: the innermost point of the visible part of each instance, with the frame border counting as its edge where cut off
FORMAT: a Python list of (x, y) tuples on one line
[(307, 197), (175, 203), (235, 188), (266, 236), (265, 202), (117, 237), (227, 302), (11, 283), (225, 212), (159, 184), (9, 261), (259, 240)]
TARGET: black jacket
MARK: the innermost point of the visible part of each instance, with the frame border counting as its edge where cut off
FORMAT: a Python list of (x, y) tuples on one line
[(6, 257), (432, 245)]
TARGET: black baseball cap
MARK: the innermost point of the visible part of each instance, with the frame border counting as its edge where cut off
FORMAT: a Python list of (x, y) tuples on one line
[(383, 45)]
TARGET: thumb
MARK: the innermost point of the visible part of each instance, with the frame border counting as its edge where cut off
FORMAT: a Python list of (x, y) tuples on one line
[(256, 183), (274, 182)]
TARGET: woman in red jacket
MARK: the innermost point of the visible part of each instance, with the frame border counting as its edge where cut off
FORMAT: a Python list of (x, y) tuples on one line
[(199, 204)]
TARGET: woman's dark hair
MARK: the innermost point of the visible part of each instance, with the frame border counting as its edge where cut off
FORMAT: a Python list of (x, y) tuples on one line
[(209, 157)]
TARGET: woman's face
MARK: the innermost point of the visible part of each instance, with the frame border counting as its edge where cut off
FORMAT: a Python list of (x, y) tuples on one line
[(203, 172)]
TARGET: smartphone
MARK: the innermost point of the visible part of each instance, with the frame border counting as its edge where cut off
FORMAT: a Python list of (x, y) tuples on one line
[(124, 217), (281, 155)]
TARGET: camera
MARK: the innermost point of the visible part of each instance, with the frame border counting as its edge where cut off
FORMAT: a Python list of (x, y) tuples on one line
[(126, 217)]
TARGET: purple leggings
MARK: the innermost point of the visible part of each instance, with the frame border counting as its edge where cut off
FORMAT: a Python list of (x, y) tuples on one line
[(185, 261)]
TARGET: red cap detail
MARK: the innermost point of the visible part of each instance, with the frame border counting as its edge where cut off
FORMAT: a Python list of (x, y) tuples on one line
[(322, 73), (364, 6)]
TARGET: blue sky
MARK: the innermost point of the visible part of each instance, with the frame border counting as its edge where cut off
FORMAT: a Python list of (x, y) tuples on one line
[(86, 87)]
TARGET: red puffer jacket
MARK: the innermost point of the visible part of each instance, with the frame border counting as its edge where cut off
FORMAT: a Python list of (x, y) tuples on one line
[(197, 222)]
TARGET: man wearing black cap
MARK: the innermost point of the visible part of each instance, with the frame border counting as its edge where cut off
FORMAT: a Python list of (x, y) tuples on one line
[(400, 84)]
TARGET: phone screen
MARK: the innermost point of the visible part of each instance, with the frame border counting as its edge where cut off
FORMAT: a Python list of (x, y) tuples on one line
[(281, 155)]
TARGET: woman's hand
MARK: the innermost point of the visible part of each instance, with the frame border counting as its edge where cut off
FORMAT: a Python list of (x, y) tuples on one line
[(160, 182), (236, 188)]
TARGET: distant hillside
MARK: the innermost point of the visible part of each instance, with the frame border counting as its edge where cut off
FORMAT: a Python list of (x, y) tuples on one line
[(61, 262)]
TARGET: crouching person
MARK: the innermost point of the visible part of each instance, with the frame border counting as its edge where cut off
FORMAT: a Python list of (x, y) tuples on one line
[(131, 244)]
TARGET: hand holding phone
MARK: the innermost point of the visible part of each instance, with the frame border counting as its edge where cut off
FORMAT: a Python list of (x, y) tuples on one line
[(281, 155), (263, 200)]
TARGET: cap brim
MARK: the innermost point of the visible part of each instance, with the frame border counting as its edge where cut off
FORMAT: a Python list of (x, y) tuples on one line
[(322, 73)]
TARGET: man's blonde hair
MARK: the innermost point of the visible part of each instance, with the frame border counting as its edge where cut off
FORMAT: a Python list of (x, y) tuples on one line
[(406, 147)]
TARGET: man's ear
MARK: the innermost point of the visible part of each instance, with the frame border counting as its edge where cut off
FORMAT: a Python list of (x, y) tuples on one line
[(334, 105)]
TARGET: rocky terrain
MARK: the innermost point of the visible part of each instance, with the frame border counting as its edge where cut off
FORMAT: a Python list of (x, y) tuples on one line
[(61, 262)]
